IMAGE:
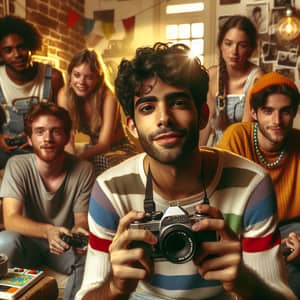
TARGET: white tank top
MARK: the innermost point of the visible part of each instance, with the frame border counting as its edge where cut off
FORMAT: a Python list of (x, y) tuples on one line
[(12, 91)]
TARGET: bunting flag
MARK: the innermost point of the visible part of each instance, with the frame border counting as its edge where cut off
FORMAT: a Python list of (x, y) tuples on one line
[(129, 28), (106, 16), (129, 24), (73, 18), (88, 25), (108, 29)]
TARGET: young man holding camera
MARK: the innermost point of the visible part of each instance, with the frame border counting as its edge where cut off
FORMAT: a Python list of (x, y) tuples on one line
[(209, 192)]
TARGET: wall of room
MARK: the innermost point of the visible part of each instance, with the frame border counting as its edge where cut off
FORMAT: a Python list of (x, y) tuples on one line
[(274, 54)]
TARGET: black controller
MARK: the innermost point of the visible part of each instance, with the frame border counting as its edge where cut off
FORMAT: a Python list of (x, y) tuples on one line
[(17, 141), (77, 240)]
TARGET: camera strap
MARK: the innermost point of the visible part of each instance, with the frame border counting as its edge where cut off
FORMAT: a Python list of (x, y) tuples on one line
[(149, 205)]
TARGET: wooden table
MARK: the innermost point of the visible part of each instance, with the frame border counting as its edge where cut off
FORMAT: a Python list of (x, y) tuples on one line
[(44, 289)]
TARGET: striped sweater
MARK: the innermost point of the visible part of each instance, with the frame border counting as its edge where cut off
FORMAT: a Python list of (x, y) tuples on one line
[(241, 190)]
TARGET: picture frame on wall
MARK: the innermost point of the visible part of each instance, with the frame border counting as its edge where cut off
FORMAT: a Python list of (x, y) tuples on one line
[(281, 3), (224, 2), (258, 13), (287, 59), (276, 15), (269, 52)]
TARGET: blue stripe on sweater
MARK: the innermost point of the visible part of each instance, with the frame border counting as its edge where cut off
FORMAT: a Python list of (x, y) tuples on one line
[(182, 282), (103, 217), (262, 204)]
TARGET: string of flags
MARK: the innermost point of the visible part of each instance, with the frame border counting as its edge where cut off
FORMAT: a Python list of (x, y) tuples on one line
[(103, 21)]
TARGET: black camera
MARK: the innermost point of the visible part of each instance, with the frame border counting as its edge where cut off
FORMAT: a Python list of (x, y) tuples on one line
[(177, 242), (77, 240), (16, 141)]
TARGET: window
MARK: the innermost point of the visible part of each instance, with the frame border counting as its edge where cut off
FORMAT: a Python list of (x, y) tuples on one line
[(189, 22), (191, 34)]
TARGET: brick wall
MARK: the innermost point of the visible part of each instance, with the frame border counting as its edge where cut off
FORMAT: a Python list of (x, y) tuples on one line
[(60, 43), (50, 16)]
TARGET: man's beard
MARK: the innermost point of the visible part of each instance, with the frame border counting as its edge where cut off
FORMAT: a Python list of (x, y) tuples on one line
[(275, 140), (49, 156), (173, 154)]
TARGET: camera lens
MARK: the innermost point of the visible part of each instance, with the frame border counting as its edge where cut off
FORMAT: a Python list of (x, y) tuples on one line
[(177, 244)]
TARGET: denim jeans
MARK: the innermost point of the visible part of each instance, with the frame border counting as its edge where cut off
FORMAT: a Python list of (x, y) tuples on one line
[(29, 252)]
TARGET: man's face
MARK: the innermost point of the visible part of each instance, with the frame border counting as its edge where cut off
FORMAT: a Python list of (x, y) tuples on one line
[(48, 138), (166, 121), (15, 55), (275, 120)]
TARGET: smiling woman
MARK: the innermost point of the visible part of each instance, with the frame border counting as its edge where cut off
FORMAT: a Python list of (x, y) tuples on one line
[(95, 112)]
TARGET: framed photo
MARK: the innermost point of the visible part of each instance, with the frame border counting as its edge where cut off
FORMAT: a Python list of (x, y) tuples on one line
[(278, 3), (224, 2), (287, 59), (258, 13), (269, 52)]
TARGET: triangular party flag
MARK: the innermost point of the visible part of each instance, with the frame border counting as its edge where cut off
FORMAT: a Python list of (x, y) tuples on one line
[(73, 18), (88, 25), (129, 24), (106, 15), (108, 29)]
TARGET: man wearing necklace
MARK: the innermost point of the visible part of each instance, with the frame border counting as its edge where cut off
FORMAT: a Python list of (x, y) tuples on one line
[(272, 142), (163, 93)]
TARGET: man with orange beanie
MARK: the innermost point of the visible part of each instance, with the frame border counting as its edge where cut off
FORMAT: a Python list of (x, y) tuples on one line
[(272, 142)]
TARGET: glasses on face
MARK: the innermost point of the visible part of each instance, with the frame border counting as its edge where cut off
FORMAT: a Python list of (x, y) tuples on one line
[(41, 131)]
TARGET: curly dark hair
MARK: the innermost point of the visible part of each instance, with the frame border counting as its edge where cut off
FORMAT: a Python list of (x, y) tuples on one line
[(259, 99), (44, 109), (172, 64), (16, 25)]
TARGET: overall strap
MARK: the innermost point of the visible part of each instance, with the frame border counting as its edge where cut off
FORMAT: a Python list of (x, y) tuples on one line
[(249, 79), (2, 98), (47, 82)]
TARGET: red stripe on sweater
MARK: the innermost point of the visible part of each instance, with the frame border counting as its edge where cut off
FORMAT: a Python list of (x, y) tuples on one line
[(98, 243), (261, 243)]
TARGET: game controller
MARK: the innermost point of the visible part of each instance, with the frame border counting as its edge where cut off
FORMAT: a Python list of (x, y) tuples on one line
[(16, 141), (77, 240), (286, 251)]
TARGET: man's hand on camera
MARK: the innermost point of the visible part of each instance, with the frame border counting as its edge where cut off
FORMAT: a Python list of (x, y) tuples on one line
[(129, 265), (220, 260)]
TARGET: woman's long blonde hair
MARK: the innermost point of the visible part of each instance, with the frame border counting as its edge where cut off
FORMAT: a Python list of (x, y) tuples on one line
[(75, 103)]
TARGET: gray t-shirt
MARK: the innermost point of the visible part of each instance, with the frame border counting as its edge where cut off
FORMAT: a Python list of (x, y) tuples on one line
[(22, 181)]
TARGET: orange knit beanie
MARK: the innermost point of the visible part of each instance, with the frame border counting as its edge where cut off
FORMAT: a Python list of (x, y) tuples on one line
[(271, 79)]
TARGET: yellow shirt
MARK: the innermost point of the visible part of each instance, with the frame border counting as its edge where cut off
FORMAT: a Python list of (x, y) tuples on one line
[(238, 138)]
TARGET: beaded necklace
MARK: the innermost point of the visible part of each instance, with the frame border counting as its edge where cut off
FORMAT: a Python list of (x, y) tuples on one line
[(261, 156)]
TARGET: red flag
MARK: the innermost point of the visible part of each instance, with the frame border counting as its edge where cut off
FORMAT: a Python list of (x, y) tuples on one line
[(73, 18), (129, 23)]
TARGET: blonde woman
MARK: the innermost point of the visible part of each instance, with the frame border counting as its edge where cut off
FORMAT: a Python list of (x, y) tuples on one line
[(95, 112), (230, 81)]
